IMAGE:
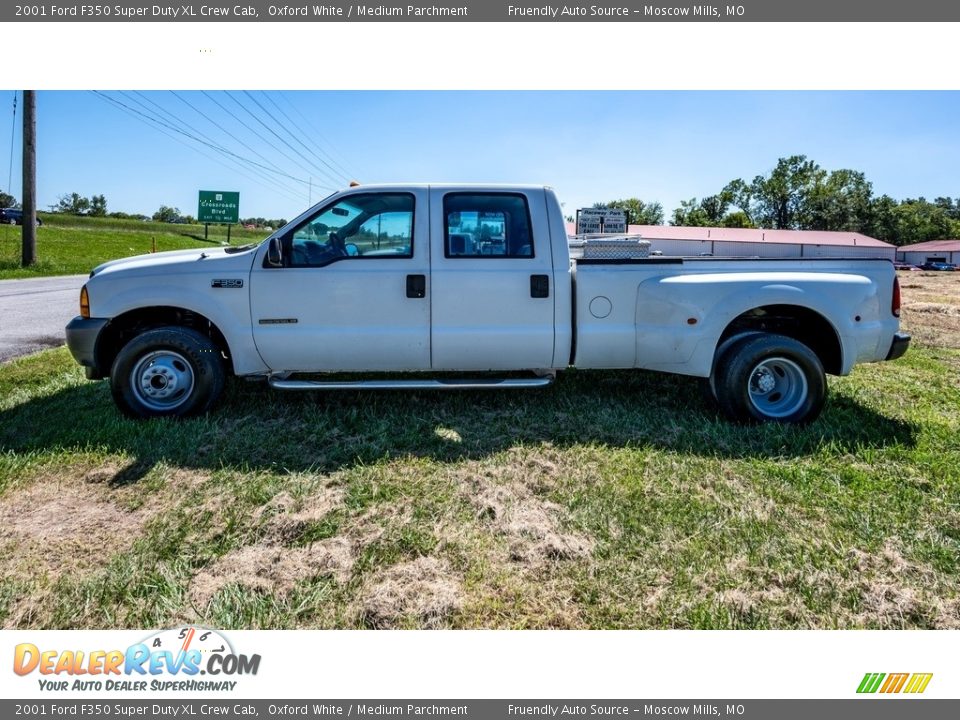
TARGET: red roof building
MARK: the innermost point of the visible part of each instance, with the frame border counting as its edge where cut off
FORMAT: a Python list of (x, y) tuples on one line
[(744, 242), (933, 251)]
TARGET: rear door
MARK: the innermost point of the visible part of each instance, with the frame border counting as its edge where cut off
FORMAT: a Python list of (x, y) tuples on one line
[(492, 300)]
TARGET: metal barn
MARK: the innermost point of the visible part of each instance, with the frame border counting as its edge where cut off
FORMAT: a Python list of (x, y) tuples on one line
[(947, 251)]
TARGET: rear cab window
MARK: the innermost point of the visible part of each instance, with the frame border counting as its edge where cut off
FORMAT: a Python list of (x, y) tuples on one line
[(487, 225)]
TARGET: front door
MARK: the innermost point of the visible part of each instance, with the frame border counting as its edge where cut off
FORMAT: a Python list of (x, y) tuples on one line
[(352, 292), (492, 299)]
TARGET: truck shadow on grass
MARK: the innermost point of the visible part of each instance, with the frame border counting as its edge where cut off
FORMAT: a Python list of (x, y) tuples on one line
[(256, 428)]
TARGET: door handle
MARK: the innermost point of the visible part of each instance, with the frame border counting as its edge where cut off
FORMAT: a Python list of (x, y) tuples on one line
[(539, 286), (416, 286)]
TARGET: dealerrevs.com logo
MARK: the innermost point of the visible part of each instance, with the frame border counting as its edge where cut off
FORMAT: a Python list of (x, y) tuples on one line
[(169, 660)]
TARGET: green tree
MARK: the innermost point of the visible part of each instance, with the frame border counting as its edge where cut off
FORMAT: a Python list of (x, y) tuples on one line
[(638, 211), (918, 220), (98, 206), (167, 214), (781, 200), (73, 204), (950, 206), (841, 200), (8, 201), (882, 223), (711, 211), (738, 219)]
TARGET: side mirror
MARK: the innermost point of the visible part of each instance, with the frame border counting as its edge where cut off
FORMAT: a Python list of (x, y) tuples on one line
[(352, 249), (275, 253)]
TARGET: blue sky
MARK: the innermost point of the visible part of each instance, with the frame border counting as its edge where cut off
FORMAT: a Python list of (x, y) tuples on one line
[(590, 146)]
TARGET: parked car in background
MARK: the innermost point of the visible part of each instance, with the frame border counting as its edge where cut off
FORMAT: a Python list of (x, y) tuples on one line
[(938, 266), (905, 266), (14, 216)]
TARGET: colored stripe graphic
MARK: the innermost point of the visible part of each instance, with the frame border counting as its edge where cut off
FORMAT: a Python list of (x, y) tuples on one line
[(894, 682), (870, 682), (918, 683)]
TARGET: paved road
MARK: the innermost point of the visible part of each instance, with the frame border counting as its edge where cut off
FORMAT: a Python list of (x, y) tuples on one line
[(34, 312)]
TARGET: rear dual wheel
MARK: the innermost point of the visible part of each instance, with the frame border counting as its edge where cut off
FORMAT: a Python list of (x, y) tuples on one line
[(764, 377)]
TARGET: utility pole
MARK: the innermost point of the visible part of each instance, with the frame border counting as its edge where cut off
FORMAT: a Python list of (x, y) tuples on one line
[(29, 201)]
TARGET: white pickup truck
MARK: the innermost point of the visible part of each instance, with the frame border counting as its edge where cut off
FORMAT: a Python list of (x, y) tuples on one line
[(407, 284)]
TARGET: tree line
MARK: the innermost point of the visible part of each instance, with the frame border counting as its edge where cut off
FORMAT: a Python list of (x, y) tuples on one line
[(798, 194), (96, 206)]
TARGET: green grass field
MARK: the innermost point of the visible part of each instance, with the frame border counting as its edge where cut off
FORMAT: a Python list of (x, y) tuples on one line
[(69, 245), (611, 500)]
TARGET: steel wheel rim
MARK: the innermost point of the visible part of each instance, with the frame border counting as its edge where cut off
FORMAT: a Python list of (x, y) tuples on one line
[(777, 387), (162, 380)]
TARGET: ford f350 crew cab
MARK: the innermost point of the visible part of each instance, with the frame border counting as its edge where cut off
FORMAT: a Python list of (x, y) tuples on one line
[(408, 283)]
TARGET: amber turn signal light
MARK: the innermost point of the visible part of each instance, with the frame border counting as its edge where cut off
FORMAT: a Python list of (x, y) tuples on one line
[(84, 303)]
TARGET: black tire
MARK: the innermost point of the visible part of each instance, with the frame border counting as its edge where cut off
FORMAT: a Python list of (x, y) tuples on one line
[(770, 378), (167, 372), (708, 391)]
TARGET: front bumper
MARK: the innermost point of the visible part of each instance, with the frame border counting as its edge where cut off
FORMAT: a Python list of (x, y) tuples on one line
[(82, 334), (901, 341)]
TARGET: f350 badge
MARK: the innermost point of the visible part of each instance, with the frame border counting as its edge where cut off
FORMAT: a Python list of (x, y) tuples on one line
[(227, 283)]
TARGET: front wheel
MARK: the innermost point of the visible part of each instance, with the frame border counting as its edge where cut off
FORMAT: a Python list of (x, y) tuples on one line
[(167, 372), (770, 378)]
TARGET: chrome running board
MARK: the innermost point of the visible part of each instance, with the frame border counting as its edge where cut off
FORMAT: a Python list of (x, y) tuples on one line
[(452, 384)]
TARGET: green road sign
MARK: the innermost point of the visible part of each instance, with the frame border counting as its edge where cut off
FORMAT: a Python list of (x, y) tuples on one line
[(216, 206)]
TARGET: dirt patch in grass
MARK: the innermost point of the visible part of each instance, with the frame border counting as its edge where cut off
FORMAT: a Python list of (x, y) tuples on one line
[(507, 500), (273, 569), (897, 593), (287, 519), (68, 522), (271, 565), (425, 590), (880, 589)]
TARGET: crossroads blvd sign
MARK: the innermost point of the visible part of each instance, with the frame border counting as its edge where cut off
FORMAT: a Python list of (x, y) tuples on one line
[(217, 206)]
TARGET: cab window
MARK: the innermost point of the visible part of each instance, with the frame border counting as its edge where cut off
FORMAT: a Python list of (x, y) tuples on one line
[(487, 225), (374, 225)]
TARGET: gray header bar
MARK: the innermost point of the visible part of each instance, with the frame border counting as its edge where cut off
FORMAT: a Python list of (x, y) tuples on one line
[(226, 708), (487, 11)]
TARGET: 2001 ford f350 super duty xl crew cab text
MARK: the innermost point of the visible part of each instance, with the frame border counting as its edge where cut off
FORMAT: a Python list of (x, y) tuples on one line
[(476, 280)]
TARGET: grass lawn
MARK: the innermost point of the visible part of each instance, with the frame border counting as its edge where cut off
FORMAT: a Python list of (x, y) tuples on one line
[(68, 245), (610, 500)]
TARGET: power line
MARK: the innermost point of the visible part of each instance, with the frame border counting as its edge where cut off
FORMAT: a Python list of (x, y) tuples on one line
[(223, 129), (290, 133), (343, 172), (177, 119), (153, 124), (250, 129), (138, 116), (276, 135), (198, 140), (319, 135)]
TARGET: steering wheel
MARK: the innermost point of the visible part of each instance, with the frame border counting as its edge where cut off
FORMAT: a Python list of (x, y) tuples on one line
[(337, 244)]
